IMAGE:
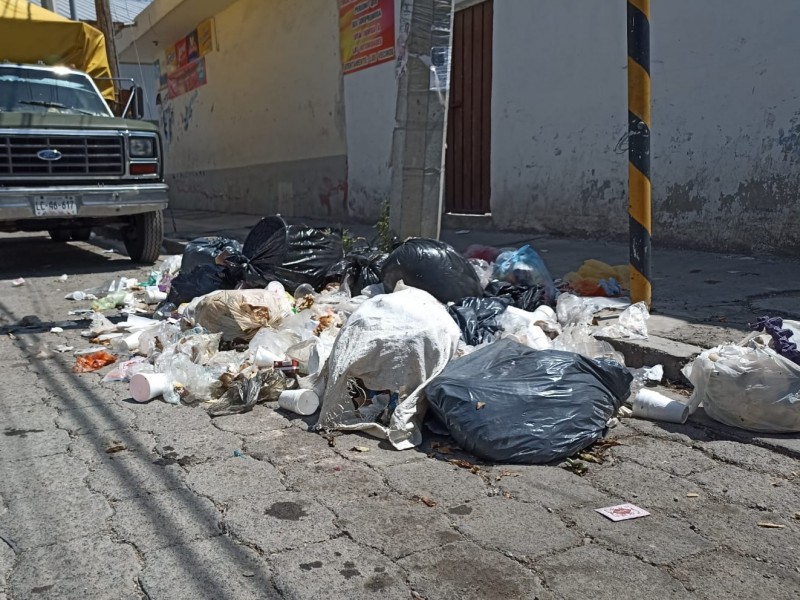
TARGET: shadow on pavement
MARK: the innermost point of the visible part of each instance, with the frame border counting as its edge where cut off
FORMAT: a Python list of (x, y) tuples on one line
[(38, 256), (59, 381)]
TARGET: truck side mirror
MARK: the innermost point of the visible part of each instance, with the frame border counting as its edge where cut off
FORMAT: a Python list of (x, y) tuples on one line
[(138, 103)]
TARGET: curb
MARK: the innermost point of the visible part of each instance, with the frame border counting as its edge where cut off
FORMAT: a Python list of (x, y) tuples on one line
[(657, 351)]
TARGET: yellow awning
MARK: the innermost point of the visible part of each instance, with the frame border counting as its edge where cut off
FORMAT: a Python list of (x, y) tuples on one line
[(30, 33)]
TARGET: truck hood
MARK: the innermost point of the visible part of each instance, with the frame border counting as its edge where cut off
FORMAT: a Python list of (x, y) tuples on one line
[(60, 121)]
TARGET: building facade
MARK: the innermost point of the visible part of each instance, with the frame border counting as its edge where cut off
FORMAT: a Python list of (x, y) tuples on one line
[(537, 136)]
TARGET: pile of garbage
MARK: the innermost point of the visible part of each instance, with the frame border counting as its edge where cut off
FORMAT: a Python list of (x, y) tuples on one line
[(486, 345)]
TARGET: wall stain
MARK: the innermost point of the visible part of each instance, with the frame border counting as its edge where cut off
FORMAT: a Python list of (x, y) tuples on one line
[(789, 139), (765, 194), (680, 198), (188, 111)]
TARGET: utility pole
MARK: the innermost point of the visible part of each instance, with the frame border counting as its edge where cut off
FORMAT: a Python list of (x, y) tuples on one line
[(639, 191), (418, 148), (106, 24)]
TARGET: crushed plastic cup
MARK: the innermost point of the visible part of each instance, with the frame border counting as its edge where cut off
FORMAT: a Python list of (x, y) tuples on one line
[(153, 295), (146, 386), (265, 358), (301, 402), (651, 405)]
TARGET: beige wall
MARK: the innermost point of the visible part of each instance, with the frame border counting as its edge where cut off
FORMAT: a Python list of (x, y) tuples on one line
[(266, 133)]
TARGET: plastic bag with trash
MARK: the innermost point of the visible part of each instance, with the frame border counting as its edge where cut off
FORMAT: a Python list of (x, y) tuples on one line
[(506, 402), (211, 250), (577, 310), (290, 254), (632, 324), (361, 267), (483, 270), (395, 342), (477, 318), (525, 268), (525, 298), (580, 339), (239, 314), (596, 278), (752, 387), (200, 281), (526, 327), (434, 267)]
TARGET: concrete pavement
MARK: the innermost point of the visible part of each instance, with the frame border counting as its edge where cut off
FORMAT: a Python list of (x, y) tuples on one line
[(101, 497)]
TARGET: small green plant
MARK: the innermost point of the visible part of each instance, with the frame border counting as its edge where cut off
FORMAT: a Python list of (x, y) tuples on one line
[(348, 241), (385, 237)]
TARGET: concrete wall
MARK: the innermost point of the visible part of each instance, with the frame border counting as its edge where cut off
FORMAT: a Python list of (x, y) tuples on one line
[(266, 133), (370, 101), (726, 121)]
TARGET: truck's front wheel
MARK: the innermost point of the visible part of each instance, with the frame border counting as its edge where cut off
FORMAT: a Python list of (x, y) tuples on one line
[(143, 237)]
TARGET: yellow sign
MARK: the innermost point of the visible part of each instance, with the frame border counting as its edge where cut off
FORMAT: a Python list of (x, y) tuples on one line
[(205, 36)]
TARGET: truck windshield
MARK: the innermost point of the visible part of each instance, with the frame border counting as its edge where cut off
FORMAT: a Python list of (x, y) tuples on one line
[(32, 90)]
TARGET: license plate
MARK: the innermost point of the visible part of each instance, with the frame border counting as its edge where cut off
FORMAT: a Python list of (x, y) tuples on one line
[(53, 206)]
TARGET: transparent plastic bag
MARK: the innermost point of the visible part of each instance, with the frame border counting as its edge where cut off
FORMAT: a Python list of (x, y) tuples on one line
[(273, 341), (632, 324), (189, 380), (526, 268), (579, 339), (483, 270)]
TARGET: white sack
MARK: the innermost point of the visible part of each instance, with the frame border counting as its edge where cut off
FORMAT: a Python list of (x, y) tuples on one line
[(751, 388), (396, 342)]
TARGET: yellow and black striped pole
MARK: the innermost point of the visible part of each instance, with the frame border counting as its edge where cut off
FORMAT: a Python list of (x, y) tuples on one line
[(639, 208)]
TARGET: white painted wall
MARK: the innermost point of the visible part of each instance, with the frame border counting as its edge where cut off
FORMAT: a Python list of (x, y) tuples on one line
[(726, 120), (370, 97), (266, 133)]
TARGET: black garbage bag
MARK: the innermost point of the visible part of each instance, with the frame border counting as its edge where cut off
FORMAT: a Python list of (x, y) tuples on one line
[(206, 251), (525, 298), (359, 268), (477, 318), (290, 254), (506, 402), (432, 266), (198, 282)]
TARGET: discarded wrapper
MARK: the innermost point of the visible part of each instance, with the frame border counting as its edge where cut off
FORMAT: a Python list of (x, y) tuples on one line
[(291, 367), (622, 512)]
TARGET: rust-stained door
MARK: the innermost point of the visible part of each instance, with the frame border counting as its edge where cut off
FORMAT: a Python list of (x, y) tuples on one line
[(467, 177)]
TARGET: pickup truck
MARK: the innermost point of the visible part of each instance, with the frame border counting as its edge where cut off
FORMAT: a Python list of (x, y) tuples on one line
[(67, 164)]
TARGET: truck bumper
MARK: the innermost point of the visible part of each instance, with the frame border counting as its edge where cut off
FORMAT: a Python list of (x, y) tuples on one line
[(17, 203)]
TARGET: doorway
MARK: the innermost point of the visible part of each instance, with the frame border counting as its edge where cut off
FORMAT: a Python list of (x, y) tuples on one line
[(468, 155)]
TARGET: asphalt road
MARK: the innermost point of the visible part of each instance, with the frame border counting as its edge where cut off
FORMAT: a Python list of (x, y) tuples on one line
[(102, 498)]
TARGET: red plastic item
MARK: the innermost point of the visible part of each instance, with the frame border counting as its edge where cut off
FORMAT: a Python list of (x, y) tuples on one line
[(86, 363)]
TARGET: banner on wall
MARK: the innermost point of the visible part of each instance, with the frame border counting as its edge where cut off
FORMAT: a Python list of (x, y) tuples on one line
[(186, 78), (366, 33), (182, 68)]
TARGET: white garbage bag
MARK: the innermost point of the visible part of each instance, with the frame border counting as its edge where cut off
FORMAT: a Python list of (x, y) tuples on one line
[(396, 342), (749, 387)]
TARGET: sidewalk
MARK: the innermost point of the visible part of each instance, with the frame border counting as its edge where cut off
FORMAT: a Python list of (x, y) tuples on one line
[(700, 299)]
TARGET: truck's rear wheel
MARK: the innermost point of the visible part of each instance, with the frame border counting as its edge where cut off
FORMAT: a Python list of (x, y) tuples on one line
[(59, 235), (81, 234), (144, 236)]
